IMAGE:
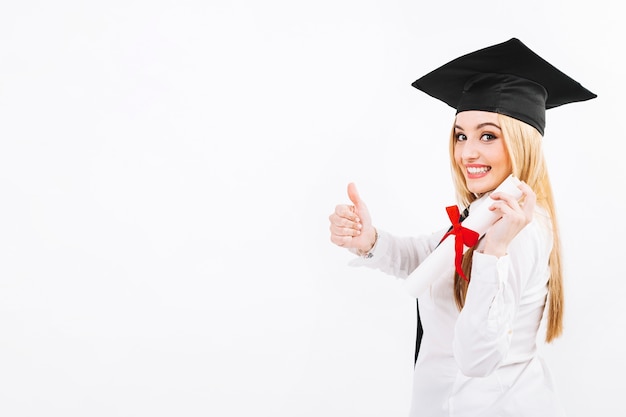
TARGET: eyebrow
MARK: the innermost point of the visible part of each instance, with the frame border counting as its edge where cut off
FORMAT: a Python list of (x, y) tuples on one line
[(480, 126)]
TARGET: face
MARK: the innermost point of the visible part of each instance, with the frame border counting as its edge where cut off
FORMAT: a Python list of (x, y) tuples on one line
[(479, 150)]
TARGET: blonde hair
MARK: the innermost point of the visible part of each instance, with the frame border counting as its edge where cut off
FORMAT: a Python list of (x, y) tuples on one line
[(523, 143)]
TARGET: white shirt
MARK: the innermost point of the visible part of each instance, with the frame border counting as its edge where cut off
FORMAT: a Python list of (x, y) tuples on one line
[(483, 360)]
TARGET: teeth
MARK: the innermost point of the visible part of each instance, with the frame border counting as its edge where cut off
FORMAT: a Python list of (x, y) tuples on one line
[(476, 170)]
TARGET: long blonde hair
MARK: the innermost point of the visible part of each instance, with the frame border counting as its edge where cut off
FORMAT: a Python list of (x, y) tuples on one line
[(523, 143)]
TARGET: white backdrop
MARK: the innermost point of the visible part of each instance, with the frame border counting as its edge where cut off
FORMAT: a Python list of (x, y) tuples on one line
[(167, 169)]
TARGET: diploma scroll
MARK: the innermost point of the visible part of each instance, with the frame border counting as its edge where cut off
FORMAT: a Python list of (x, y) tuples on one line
[(440, 263)]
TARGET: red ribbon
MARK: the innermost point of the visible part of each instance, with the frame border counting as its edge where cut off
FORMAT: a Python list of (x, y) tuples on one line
[(463, 236)]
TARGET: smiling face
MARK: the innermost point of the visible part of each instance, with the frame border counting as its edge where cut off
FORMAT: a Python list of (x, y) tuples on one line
[(480, 151)]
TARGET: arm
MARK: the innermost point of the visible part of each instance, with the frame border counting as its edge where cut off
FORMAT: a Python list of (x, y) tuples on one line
[(515, 253), (485, 327), (351, 228), (398, 256)]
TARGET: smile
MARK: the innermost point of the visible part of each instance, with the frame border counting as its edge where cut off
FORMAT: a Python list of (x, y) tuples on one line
[(477, 170)]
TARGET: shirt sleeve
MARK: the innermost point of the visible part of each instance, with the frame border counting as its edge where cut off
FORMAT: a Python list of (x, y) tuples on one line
[(485, 325), (398, 256)]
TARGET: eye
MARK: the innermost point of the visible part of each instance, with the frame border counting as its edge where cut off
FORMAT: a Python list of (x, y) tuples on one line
[(487, 137), (460, 137)]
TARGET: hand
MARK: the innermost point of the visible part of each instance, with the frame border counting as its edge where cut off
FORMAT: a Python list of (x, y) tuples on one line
[(351, 225), (513, 217)]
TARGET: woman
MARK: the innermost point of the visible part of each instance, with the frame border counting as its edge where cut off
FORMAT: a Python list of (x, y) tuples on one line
[(478, 353)]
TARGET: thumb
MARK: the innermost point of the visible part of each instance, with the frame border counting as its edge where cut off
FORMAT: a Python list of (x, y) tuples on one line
[(353, 194), (361, 208)]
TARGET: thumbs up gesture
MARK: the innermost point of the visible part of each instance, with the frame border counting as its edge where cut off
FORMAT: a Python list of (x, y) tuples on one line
[(351, 225)]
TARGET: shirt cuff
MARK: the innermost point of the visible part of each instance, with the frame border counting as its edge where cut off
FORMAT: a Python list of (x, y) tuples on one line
[(489, 269)]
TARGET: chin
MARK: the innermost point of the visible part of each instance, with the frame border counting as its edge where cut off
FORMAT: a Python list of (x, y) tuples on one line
[(476, 188)]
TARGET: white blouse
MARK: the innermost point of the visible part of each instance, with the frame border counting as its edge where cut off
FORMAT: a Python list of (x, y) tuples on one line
[(483, 360)]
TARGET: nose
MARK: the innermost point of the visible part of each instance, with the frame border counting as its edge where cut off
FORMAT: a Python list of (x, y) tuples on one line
[(469, 150)]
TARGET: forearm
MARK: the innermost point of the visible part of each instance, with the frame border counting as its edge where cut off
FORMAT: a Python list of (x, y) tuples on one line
[(397, 256), (484, 327)]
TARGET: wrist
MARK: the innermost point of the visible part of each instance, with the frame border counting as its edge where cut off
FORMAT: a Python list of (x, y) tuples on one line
[(495, 250), (367, 252)]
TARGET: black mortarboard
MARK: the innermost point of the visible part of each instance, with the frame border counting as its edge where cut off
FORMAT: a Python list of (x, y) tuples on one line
[(506, 78)]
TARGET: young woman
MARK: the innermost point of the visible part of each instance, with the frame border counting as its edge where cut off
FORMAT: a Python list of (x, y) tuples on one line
[(477, 330)]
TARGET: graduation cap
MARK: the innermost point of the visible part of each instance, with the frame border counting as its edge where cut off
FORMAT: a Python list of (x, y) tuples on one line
[(506, 78)]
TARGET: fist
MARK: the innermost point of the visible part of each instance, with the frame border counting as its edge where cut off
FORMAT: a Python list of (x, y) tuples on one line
[(513, 217), (351, 224)]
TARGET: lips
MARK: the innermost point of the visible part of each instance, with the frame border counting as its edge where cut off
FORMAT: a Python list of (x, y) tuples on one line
[(477, 171)]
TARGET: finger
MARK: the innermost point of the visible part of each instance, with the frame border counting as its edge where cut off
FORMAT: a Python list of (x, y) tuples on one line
[(347, 212), (340, 240), (354, 196), (344, 231), (511, 202), (502, 207), (530, 199), (344, 222), (508, 198)]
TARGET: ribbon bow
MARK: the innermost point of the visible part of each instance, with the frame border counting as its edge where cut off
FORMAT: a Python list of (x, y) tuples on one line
[(463, 236)]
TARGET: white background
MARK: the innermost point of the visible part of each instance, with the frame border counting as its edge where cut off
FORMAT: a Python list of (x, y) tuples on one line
[(167, 169)]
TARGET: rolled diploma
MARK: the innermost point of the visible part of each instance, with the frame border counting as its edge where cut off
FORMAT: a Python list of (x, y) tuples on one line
[(440, 262)]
